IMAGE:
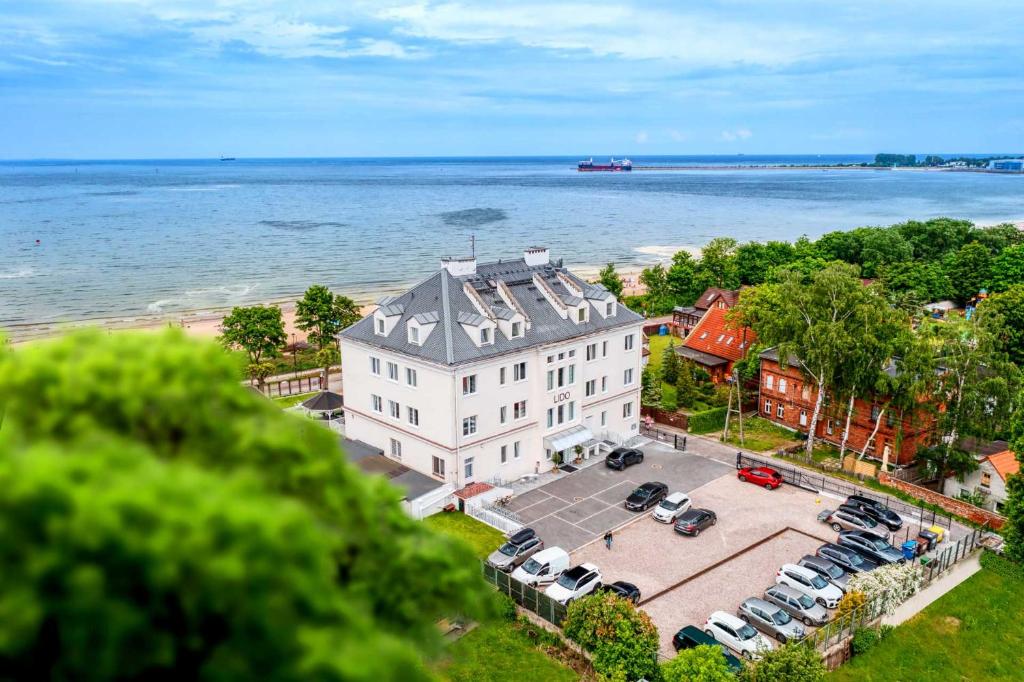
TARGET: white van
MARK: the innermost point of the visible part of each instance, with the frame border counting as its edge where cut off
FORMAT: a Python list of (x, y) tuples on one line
[(543, 568)]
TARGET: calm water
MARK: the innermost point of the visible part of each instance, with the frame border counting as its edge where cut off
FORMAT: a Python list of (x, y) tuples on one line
[(148, 237)]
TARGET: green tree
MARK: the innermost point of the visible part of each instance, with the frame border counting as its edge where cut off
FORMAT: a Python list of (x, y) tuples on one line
[(686, 384), (969, 271), (650, 387), (325, 357), (670, 364), (880, 246), (259, 371), (1008, 268), (611, 280), (658, 298), (933, 239), (685, 284), (792, 662), (622, 640), (911, 284), (178, 400), (703, 663), (995, 238), (323, 315), (1013, 508), (1009, 307), (718, 263), (258, 330), (755, 260)]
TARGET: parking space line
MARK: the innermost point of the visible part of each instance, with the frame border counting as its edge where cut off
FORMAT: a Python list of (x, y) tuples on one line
[(537, 502)]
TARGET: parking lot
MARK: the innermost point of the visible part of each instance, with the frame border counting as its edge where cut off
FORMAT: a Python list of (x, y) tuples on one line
[(580, 507)]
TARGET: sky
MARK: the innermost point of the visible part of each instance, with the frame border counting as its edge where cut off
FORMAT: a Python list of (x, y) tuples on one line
[(301, 78)]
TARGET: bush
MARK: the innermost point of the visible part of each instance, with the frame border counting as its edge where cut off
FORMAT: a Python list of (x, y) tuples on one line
[(707, 421), (850, 602), (792, 662), (884, 631), (892, 584), (622, 640), (863, 639), (1001, 565), (669, 403), (700, 664), (506, 607)]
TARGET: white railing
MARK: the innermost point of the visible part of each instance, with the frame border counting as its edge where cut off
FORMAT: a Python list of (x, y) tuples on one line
[(493, 519)]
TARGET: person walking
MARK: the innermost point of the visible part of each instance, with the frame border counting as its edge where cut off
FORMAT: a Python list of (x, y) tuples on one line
[(608, 539)]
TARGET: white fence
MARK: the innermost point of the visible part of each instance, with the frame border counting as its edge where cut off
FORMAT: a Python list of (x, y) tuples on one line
[(492, 518)]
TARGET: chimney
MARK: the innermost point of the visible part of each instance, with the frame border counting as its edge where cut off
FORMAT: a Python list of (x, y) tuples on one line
[(536, 255), (459, 267)]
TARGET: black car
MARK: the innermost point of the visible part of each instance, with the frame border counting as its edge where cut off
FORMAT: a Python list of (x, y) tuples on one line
[(691, 637), (694, 521), (647, 495), (876, 510), (625, 590), (871, 546), (847, 559), (620, 458)]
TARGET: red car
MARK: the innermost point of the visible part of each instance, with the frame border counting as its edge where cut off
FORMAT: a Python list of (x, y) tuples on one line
[(769, 478)]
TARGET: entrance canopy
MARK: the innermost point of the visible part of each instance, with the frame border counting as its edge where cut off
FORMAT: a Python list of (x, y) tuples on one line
[(570, 438)]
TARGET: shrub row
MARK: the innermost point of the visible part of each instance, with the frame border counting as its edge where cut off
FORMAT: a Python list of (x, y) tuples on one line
[(1001, 565), (707, 421)]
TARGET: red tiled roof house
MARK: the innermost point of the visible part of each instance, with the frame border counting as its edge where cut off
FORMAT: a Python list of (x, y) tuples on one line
[(716, 344)]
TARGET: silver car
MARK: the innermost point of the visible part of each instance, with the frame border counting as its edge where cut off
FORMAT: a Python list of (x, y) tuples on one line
[(770, 619), (827, 569), (847, 519), (511, 554), (797, 604)]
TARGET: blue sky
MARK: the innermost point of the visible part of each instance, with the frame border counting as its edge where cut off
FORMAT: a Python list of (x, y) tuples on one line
[(199, 78)]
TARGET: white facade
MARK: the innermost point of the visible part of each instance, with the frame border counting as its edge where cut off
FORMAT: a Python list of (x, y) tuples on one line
[(488, 420), (985, 480)]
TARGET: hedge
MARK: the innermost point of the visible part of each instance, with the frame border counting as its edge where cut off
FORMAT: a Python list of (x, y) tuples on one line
[(706, 421), (998, 563)]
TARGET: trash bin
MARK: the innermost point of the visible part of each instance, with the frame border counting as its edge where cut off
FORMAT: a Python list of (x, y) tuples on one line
[(928, 538), (663, 330), (939, 531), (910, 550)]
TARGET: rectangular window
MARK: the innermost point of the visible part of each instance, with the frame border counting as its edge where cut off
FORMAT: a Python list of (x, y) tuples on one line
[(394, 409), (780, 411), (561, 356), (414, 335), (437, 466), (571, 411), (803, 417), (768, 407), (572, 353), (503, 414), (608, 308), (515, 450), (572, 374), (627, 377), (469, 426), (604, 349), (986, 479), (828, 427), (519, 410), (501, 376), (380, 326), (604, 384), (592, 351), (396, 449), (604, 418), (769, 381), (503, 456), (376, 403), (561, 414), (392, 371), (469, 385), (782, 385), (890, 418), (519, 371), (627, 410), (629, 342), (551, 417), (414, 416), (581, 315), (590, 388), (375, 366), (805, 391), (875, 409), (485, 336), (561, 377), (468, 468), (517, 330), (551, 379), (551, 358), (410, 377)]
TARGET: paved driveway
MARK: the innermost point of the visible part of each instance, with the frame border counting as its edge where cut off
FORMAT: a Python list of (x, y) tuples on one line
[(581, 506)]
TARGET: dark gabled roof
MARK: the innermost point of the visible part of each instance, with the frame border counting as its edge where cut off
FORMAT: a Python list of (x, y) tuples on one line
[(701, 358), (325, 401), (443, 294), (712, 294)]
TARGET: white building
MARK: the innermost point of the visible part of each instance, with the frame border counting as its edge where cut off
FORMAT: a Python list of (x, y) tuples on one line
[(483, 372), (988, 480)]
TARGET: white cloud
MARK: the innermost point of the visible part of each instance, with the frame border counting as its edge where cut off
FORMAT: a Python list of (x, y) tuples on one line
[(641, 137), (737, 134), (678, 135)]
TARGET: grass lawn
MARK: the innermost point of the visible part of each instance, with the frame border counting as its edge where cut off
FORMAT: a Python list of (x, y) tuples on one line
[(481, 537), (760, 434), (501, 652), (292, 400), (974, 633)]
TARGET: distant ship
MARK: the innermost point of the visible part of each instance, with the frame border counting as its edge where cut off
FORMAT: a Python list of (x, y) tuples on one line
[(612, 166), (227, 158)]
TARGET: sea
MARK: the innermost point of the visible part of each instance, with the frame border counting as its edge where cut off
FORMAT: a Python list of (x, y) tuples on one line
[(126, 239)]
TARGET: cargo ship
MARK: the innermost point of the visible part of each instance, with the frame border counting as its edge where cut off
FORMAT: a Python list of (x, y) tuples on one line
[(612, 166)]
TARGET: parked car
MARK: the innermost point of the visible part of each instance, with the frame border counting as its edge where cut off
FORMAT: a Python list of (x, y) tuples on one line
[(515, 551), (849, 560), (577, 582), (871, 546), (543, 568), (846, 519), (691, 636), (876, 510), (864, 521), (797, 604), (646, 496), (827, 569), (810, 583), (694, 521), (672, 507), (763, 476), (737, 635), (620, 458), (625, 590), (771, 619)]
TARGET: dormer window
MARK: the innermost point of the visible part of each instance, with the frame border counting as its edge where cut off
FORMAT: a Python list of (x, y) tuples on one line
[(517, 330), (728, 341), (581, 315), (609, 307), (485, 336), (414, 335), (704, 335), (720, 337), (380, 326)]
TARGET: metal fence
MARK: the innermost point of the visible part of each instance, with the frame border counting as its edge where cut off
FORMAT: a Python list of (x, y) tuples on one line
[(525, 596), (497, 517), (816, 483), (677, 441)]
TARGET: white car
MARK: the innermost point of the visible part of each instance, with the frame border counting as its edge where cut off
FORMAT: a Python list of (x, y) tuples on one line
[(671, 508), (737, 635), (577, 582), (810, 583)]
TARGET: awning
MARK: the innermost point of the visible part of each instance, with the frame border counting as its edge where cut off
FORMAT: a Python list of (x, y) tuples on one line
[(570, 438)]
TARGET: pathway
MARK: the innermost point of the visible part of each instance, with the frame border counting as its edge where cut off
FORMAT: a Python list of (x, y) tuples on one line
[(953, 577)]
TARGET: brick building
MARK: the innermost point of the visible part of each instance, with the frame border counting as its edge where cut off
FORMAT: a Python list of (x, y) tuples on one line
[(787, 398), (715, 344), (685, 318)]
